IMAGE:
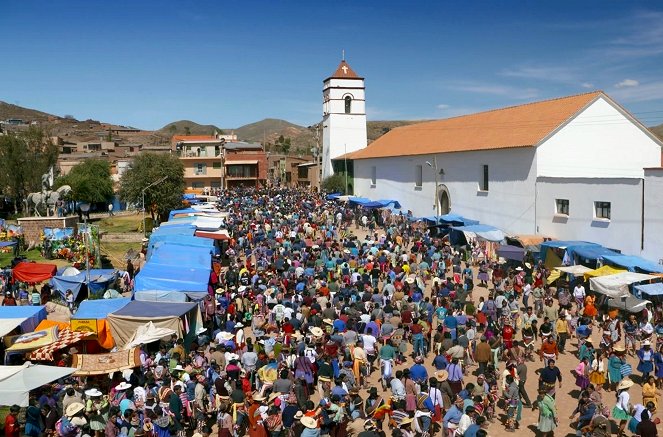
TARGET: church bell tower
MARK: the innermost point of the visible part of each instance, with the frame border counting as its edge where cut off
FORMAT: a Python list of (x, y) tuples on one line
[(343, 115)]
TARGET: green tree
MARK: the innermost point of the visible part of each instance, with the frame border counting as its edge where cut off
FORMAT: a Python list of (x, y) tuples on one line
[(24, 157), (187, 130), (147, 169), (334, 183), (286, 145), (172, 129), (90, 181)]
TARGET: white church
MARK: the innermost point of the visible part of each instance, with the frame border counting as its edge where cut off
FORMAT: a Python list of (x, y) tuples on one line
[(572, 168)]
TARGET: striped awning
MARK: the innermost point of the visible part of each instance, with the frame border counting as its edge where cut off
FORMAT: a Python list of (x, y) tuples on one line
[(66, 337)]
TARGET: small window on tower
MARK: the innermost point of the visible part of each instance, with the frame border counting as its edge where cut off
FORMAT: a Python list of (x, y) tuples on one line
[(348, 104)]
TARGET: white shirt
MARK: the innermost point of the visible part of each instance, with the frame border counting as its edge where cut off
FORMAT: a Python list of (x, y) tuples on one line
[(369, 343), (436, 396), (463, 424), (579, 292)]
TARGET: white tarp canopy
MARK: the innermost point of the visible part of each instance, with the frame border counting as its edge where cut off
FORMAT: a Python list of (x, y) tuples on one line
[(16, 382), (617, 285), (208, 223), (148, 333), (8, 325), (628, 303), (577, 270)]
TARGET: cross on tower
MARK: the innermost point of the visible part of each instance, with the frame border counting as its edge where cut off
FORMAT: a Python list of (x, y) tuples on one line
[(345, 69)]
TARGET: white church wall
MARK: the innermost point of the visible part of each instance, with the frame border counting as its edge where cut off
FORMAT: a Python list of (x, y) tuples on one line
[(622, 231), (653, 241), (508, 204), (600, 142)]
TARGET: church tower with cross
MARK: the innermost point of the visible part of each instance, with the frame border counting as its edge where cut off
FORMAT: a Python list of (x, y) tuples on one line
[(343, 118)]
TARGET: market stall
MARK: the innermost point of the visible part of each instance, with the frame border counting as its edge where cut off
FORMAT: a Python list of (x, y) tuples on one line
[(27, 317), (92, 317), (100, 280), (617, 285), (33, 273), (18, 381)]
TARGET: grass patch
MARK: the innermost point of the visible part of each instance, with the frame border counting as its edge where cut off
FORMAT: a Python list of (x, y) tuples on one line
[(113, 254), (32, 255), (121, 224)]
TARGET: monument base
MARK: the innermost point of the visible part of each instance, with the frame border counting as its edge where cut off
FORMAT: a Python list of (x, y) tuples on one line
[(33, 226)]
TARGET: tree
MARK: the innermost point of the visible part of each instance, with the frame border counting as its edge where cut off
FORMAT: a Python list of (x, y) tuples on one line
[(187, 130), (172, 128), (90, 181), (334, 183), (147, 169), (24, 157)]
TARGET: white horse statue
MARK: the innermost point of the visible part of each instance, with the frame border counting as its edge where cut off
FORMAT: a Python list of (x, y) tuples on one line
[(46, 200)]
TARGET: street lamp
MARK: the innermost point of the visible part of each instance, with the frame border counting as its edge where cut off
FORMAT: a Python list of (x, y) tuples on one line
[(143, 198), (85, 209)]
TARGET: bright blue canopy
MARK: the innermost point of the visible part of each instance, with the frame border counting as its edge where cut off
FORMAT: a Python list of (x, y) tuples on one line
[(172, 254), (649, 289), (169, 278), (100, 279), (634, 263), (359, 200), (382, 204), (181, 211), (590, 252), (453, 219), (155, 309), (487, 232), (33, 315), (333, 196), (100, 308), (561, 244)]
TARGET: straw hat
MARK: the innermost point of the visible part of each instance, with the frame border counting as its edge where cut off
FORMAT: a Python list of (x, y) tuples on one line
[(619, 349), (232, 357), (272, 396), (405, 421), (220, 291), (256, 397), (73, 409), (410, 280), (226, 335), (309, 422), (299, 415), (317, 332), (239, 325), (624, 384), (442, 375), (328, 321), (123, 386)]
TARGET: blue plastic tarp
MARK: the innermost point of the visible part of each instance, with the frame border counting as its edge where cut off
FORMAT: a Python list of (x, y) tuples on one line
[(181, 211), (169, 278), (561, 244), (511, 252), (100, 308), (359, 200), (487, 232), (452, 219), (33, 315), (333, 196), (649, 289), (174, 254), (7, 243), (590, 252), (383, 203), (155, 309), (99, 281), (634, 263)]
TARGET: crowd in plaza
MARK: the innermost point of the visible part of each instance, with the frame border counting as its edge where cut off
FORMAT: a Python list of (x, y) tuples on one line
[(333, 319)]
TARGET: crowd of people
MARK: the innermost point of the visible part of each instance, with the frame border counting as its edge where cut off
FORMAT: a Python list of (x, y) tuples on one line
[(333, 319)]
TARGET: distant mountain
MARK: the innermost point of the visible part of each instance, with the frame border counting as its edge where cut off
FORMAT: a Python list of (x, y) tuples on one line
[(658, 131), (375, 129), (188, 127), (7, 110)]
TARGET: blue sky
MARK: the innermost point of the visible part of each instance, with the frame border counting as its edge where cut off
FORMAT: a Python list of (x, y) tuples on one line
[(146, 63)]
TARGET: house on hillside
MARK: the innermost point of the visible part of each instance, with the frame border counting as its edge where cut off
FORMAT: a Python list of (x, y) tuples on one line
[(571, 167)]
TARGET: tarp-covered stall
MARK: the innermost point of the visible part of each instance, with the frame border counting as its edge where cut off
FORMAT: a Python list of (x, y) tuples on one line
[(514, 253), (174, 255), (27, 317), (92, 317), (617, 285), (649, 290), (221, 234), (100, 280), (602, 271), (33, 273), (184, 318), (630, 303), (485, 232), (167, 278), (16, 382), (577, 270), (634, 263)]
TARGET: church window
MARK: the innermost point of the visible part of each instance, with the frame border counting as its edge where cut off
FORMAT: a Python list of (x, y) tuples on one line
[(562, 206), (602, 210), (348, 104), (483, 186)]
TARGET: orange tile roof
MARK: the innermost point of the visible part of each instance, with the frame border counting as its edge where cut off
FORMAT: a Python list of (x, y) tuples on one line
[(516, 126), (344, 72)]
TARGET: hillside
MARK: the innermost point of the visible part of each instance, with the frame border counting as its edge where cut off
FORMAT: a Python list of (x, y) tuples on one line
[(7, 110), (658, 131), (188, 127)]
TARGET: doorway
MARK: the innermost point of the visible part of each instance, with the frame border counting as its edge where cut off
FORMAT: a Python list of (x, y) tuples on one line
[(444, 200)]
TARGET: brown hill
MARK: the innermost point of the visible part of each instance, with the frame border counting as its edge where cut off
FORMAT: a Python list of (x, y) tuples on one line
[(7, 110), (188, 127), (658, 131)]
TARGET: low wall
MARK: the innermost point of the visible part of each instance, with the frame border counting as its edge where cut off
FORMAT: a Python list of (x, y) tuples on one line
[(32, 226)]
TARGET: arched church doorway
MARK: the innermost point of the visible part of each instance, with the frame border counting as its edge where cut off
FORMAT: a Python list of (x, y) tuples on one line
[(444, 200)]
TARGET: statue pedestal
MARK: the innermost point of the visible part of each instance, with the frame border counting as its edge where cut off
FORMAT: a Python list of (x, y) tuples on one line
[(33, 226)]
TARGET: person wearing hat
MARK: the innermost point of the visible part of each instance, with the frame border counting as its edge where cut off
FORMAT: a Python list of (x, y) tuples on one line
[(616, 361), (370, 429), (73, 421), (373, 403), (645, 359), (547, 413), (622, 409), (310, 427)]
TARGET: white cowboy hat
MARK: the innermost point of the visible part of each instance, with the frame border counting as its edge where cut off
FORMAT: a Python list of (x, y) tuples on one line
[(519, 269), (179, 368), (233, 357), (93, 392), (328, 321), (646, 343), (317, 332), (624, 384), (309, 422), (410, 280), (528, 265), (225, 336), (123, 386), (239, 325), (74, 408)]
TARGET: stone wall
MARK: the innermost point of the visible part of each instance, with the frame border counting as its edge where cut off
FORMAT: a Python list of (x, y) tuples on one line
[(32, 226)]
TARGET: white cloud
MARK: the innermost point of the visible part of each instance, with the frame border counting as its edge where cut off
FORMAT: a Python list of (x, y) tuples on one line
[(442, 106), (627, 83), (641, 93), (587, 85), (553, 74)]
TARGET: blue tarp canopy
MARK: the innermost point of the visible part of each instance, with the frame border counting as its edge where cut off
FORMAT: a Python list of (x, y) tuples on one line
[(359, 200), (633, 263), (169, 278), (188, 196), (182, 211), (487, 232), (185, 241), (155, 309), (33, 315), (7, 243), (333, 196), (511, 252), (99, 281), (593, 253), (561, 244), (649, 289), (452, 219), (100, 308), (382, 204), (172, 254)]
